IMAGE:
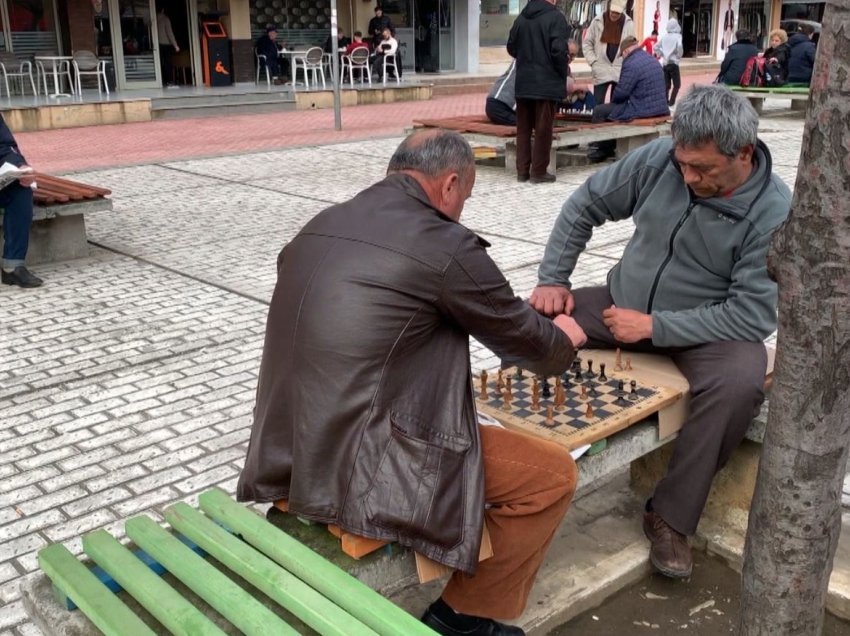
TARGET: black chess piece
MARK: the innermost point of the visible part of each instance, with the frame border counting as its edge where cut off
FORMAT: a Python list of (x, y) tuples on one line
[(579, 378), (590, 373), (518, 375), (546, 392), (602, 376), (591, 389), (633, 395), (565, 379)]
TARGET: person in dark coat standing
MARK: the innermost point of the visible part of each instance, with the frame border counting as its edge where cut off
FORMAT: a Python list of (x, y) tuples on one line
[(538, 42), (16, 201), (641, 92), (737, 54), (365, 418), (377, 26), (801, 61)]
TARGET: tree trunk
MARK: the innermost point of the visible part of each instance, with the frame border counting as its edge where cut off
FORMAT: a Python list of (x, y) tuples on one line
[(795, 519)]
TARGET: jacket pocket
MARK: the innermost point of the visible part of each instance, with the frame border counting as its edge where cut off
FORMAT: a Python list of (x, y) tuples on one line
[(419, 486)]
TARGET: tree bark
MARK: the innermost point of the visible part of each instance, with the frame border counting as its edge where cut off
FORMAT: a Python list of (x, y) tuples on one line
[(795, 518)]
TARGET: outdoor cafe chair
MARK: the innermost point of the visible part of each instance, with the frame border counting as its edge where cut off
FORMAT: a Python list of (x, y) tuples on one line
[(358, 59), (262, 65), (14, 67), (310, 63), (87, 63)]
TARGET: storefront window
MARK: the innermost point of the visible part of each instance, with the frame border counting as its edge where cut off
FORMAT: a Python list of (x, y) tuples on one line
[(137, 41), (496, 19), (696, 19), (32, 27), (754, 16)]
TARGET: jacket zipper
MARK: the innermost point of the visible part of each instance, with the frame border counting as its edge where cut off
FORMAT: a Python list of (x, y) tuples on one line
[(669, 256)]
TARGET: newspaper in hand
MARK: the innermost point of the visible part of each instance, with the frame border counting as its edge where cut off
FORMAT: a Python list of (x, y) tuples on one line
[(10, 173)]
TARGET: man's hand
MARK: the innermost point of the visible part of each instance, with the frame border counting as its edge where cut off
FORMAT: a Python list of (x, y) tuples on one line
[(570, 327), (627, 325), (551, 300), (176, 49), (27, 180)]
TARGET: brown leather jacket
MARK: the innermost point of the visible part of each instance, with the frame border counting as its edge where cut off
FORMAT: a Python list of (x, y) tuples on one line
[(365, 415)]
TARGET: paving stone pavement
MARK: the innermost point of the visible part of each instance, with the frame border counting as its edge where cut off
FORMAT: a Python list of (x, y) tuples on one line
[(128, 380)]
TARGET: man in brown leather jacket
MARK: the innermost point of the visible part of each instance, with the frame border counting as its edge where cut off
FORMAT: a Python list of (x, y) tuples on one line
[(365, 416)]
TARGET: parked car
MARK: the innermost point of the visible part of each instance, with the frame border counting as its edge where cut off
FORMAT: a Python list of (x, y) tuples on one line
[(792, 26)]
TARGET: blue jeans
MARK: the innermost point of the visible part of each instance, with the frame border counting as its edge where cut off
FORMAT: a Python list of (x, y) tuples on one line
[(586, 104), (16, 201)]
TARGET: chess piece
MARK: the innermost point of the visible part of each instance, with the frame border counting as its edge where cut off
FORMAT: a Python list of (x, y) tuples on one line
[(591, 390), (578, 378), (500, 383), (535, 396), (602, 376), (547, 390), (557, 383), (518, 377), (508, 387), (506, 400), (628, 366), (583, 395), (590, 373), (560, 398), (633, 395), (618, 360), (550, 416), (588, 412), (620, 387), (483, 394)]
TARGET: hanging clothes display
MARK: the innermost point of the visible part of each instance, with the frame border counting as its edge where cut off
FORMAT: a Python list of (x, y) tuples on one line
[(728, 27), (579, 17), (754, 17)]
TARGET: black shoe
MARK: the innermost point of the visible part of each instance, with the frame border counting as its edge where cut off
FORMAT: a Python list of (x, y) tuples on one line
[(545, 178), (21, 277), (522, 178), (595, 155), (435, 618)]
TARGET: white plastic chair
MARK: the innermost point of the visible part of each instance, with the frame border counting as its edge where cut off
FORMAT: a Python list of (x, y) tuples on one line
[(358, 59), (311, 63), (262, 65), (87, 63), (391, 61), (16, 68)]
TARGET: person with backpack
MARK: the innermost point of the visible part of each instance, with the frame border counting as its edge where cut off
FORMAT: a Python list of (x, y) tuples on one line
[(669, 49), (801, 61), (737, 56)]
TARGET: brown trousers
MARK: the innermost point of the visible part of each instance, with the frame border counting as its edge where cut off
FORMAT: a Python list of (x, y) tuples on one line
[(726, 380), (535, 115), (528, 484)]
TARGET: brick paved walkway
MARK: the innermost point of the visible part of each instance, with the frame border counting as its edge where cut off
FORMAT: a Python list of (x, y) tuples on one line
[(119, 145), (128, 380)]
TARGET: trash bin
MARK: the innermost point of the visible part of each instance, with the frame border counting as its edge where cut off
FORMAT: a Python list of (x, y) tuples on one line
[(215, 51)]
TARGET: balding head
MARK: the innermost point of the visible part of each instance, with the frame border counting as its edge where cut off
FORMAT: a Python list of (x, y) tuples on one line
[(443, 164)]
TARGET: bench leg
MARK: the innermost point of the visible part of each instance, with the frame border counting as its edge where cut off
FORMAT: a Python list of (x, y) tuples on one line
[(757, 103), (799, 104), (61, 238), (510, 158), (627, 144)]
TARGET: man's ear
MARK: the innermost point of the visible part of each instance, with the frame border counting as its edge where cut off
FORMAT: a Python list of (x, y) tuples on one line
[(746, 153), (449, 182)]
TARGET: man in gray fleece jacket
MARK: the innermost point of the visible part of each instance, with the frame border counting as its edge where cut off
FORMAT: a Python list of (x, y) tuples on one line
[(692, 283)]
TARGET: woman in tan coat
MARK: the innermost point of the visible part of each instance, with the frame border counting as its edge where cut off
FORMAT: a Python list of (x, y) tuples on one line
[(601, 46)]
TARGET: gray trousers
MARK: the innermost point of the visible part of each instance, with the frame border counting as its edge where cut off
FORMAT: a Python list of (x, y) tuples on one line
[(726, 380)]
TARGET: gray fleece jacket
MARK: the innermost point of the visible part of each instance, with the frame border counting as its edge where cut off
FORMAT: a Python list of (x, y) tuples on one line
[(669, 46), (698, 266)]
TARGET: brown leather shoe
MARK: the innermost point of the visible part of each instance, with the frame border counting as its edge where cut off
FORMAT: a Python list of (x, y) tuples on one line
[(670, 553)]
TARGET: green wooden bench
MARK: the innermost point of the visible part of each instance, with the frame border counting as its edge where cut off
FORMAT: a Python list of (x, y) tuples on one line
[(799, 95), (303, 586)]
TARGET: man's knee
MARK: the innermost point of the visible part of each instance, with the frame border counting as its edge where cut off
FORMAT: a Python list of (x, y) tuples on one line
[(739, 380)]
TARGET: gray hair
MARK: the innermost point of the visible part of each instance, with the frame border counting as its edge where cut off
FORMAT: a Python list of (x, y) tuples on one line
[(714, 113), (433, 153)]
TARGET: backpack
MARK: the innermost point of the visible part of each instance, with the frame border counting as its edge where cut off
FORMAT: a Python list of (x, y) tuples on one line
[(758, 72)]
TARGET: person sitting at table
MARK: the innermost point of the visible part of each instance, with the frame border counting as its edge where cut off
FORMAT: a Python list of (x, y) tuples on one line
[(267, 46), (387, 46), (356, 43), (341, 42)]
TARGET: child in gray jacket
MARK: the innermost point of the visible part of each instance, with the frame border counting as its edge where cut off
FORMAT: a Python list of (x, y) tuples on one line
[(669, 49)]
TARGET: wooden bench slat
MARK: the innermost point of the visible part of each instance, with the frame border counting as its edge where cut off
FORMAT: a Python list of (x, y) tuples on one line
[(350, 594), (40, 176), (234, 603), (155, 595), (284, 587), (103, 608)]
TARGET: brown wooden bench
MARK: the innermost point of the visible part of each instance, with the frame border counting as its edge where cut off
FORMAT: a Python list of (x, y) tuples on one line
[(569, 130), (58, 231)]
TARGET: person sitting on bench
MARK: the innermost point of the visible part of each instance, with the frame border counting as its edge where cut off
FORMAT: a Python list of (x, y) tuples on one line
[(365, 416), (500, 106), (641, 92), (692, 284), (16, 201)]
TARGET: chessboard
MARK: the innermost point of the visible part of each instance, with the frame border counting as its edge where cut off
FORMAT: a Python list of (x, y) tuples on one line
[(579, 407)]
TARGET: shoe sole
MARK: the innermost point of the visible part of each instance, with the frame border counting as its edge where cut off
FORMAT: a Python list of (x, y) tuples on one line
[(661, 569)]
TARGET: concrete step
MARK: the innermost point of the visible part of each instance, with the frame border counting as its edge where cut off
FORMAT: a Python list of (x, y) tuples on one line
[(168, 102), (219, 110)]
